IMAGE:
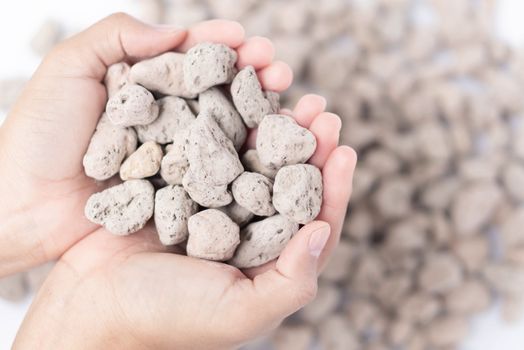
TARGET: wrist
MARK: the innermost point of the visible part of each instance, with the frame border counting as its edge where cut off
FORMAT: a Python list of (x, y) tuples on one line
[(64, 316)]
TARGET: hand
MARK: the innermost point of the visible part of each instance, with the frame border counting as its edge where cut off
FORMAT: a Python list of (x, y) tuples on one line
[(42, 143), (130, 292)]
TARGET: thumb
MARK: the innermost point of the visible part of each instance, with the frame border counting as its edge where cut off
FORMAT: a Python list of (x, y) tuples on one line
[(115, 38), (293, 282)]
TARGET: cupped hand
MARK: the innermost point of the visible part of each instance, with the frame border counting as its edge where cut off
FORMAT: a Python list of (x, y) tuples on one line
[(131, 292), (42, 143)]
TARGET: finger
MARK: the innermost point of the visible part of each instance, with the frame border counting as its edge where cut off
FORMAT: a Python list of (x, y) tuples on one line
[(293, 282), (276, 77), (229, 33), (286, 111), (251, 142), (112, 40), (308, 108), (257, 52), (326, 128), (337, 178)]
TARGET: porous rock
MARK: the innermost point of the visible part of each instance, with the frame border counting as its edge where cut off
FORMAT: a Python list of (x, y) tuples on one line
[(263, 241), (163, 73), (281, 141), (207, 64), (144, 162), (122, 209), (212, 236), (174, 165), (132, 105), (297, 192), (214, 102), (117, 76), (107, 149), (252, 103), (173, 207), (212, 156), (254, 191), (174, 116)]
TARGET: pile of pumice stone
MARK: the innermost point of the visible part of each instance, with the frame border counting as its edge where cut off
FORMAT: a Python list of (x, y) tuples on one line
[(174, 130)]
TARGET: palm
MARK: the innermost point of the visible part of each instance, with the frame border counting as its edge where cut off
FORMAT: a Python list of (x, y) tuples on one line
[(207, 292)]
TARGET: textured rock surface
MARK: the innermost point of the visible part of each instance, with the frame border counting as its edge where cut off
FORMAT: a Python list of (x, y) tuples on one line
[(163, 73), (252, 163), (174, 116), (144, 162), (117, 76), (207, 65), (174, 165), (107, 149), (206, 195), (212, 235), (212, 156), (263, 241), (214, 102), (122, 209), (254, 192), (132, 105), (252, 103), (173, 208), (297, 192), (281, 141)]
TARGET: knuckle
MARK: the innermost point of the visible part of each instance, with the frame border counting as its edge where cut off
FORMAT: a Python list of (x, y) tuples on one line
[(306, 293), (117, 18)]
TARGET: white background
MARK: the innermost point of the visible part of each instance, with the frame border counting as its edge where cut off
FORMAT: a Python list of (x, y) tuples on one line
[(21, 18)]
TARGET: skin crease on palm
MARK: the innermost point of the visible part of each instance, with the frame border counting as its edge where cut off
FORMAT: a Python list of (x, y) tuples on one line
[(131, 292)]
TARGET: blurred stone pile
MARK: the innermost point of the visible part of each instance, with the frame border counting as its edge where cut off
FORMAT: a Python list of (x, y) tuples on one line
[(432, 102)]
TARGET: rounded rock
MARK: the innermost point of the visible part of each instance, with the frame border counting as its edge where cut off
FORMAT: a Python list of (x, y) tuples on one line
[(144, 162), (163, 74), (122, 209), (212, 236), (132, 105), (253, 191), (263, 241), (252, 103), (107, 149), (297, 192), (173, 207), (281, 141), (208, 64)]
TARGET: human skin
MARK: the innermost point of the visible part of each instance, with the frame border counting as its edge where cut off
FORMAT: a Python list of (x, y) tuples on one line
[(131, 292)]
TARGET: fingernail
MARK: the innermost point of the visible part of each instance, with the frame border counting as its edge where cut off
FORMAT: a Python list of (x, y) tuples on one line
[(318, 240)]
